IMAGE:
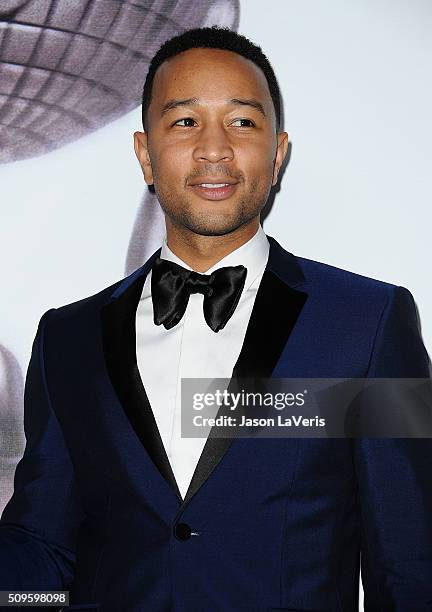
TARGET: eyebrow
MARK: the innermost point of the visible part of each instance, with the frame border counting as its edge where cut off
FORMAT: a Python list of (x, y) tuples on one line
[(253, 102)]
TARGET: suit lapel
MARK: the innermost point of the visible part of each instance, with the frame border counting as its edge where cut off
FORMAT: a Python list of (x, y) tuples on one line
[(276, 309), (119, 344), (275, 312)]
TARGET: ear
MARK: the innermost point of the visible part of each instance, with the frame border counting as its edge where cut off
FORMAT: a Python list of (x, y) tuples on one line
[(282, 148), (141, 151)]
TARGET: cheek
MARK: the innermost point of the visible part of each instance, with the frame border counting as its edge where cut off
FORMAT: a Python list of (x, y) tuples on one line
[(171, 160), (256, 163)]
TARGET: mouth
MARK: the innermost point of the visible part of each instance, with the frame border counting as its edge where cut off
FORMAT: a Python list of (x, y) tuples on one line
[(214, 191)]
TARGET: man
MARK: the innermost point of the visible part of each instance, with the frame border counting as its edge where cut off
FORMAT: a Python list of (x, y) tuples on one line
[(109, 500)]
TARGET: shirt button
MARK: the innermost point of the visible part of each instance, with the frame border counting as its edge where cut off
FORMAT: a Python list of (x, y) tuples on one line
[(182, 531)]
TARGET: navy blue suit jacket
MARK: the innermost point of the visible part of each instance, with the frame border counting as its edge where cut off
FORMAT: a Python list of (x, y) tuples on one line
[(280, 523)]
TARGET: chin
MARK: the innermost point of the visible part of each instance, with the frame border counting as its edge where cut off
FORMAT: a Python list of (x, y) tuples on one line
[(214, 228)]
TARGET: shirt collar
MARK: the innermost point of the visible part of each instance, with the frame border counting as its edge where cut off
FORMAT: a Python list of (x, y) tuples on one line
[(253, 254)]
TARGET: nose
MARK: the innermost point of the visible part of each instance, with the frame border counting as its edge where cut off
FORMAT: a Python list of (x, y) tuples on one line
[(213, 145)]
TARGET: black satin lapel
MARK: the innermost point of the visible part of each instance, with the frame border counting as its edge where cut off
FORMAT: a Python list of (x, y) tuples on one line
[(276, 310), (119, 342), (275, 313)]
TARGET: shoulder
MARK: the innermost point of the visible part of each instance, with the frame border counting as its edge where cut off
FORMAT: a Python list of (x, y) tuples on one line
[(89, 305), (343, 294), (96, 301), (335, 277), (385, 311), (350, 295), (334, 281), (322, 279)]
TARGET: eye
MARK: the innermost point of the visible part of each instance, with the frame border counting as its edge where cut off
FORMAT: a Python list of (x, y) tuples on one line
[(252, 124), (184, 119)]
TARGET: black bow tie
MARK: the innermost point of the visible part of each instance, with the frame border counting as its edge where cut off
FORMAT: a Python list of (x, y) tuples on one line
[(171, 286)]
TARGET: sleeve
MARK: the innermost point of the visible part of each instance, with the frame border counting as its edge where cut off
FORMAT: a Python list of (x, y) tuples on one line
[(39, 525), (395, 479)]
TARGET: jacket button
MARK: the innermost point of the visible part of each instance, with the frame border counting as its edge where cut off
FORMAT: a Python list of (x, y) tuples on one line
[(182, 531)]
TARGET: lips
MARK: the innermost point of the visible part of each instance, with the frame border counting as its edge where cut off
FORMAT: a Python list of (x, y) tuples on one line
[(214, 190)]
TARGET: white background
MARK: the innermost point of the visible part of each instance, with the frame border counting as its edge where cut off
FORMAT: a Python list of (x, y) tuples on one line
[(355, 79)]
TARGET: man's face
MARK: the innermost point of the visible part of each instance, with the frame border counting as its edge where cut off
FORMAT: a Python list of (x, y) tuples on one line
[(211, 122)]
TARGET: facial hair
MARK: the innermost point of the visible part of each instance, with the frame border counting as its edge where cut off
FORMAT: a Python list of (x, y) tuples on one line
[(183, 212)]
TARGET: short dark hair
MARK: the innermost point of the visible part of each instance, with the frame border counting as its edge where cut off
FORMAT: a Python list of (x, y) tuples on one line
[(211, 38)]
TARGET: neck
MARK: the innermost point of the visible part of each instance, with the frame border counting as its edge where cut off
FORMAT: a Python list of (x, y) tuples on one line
[(203, 252)]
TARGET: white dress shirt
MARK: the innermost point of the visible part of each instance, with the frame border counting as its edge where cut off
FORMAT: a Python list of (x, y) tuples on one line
[(191, 349)]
